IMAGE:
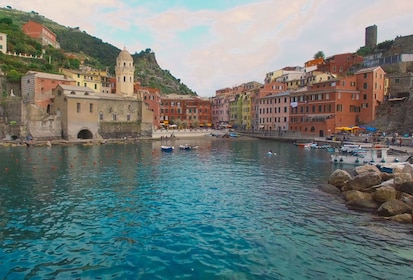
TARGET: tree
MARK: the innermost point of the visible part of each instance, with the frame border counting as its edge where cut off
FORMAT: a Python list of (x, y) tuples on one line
[(319, 54)]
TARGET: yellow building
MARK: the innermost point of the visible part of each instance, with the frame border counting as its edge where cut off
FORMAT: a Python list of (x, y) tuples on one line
[(92, 79)]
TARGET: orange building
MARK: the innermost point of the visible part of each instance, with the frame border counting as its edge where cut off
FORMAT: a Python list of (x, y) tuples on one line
[(41, 33), (371, 84), (185, 111), (340, 64), (343, 102)]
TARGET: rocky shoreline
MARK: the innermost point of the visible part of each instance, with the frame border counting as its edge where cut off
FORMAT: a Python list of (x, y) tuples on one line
[(389, 196)]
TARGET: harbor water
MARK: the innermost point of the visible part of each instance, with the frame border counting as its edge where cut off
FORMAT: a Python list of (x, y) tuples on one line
[(225, 210)]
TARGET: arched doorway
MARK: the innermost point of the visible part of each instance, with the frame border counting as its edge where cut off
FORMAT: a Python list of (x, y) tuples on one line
[(85, 134)]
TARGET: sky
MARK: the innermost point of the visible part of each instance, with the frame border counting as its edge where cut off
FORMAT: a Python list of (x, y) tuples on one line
[(215, 44)]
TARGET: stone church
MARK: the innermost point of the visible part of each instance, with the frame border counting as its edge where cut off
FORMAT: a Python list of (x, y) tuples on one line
[(86, 114)]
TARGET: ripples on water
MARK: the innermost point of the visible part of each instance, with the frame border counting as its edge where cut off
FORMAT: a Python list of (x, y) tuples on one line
[(226, 211)]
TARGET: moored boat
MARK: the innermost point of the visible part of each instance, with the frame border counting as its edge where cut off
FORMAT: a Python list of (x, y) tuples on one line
[(367, 155), (185, 147), (167, 148)]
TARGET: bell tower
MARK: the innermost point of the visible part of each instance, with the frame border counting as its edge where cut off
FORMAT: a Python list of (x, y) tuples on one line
[(125, 71)]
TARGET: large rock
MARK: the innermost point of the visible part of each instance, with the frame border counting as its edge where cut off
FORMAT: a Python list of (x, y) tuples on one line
[(362, 204), (366, 168), (356, 195), (339, 178), (384, 194), (402, 218), (392, 208), (328, 188), (406, 187), (363, 181), (402, 177), (408, 199)]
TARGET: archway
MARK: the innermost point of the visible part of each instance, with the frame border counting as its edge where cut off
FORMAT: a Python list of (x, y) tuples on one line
[(85, 134)]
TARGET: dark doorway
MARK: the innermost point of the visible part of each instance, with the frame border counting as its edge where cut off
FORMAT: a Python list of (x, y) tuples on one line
[(85, 134), (321, 134)]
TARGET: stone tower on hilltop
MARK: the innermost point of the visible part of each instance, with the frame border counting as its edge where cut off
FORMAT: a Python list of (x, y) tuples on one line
[(371, 36), (125, 70)]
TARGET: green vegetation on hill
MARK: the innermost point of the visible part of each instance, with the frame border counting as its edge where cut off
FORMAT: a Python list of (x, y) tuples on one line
[(76, 47)]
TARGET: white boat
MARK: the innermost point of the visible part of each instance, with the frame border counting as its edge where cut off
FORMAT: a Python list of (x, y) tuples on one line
[(167, 148), (367, 155)]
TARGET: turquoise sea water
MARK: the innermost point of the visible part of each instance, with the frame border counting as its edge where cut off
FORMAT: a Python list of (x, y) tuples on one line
[(224, 211)]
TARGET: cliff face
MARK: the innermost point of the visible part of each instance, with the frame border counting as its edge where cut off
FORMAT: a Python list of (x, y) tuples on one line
[(395, 116)]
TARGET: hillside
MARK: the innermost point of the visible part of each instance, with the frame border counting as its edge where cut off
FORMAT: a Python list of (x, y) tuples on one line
[(77, 47)]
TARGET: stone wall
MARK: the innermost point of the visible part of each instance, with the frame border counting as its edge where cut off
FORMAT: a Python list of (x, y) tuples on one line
[(117, 130)]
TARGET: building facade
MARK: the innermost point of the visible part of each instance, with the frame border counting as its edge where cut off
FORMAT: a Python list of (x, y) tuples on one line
[(3, 43), (41, 33)]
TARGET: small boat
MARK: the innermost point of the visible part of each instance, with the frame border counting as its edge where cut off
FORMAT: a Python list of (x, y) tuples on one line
[(185, 147), (167, 148), (304, 145), (233, 135)]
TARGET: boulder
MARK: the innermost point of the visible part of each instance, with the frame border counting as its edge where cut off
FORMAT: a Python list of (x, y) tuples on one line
[(386, 176), (392, 208), (408, 199), (339, 178), (356, 195), (363, 181), (384, 193), (402, 177), (406, 187), (366, 168), (362, 204), (408, 168), (328, 188), (402, 218)]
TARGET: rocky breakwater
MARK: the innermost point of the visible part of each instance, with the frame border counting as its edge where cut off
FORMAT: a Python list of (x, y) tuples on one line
[(390, 196)]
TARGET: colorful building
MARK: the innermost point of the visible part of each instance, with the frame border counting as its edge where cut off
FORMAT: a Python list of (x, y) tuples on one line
[(41, 33), (185, 111)]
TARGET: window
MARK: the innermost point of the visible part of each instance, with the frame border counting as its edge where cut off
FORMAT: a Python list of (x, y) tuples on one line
[(101, 116), (78, 107), (91, 107), (339, 108), (365, 85), (114, 117), (128, 117)]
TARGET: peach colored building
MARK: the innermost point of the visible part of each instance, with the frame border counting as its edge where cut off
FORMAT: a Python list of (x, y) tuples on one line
[(40, 32), (267, 110), (152, 98), (37, 88), (372, 86)]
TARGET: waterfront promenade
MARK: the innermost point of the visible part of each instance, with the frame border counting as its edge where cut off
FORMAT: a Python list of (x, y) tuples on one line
[(185, 133)]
